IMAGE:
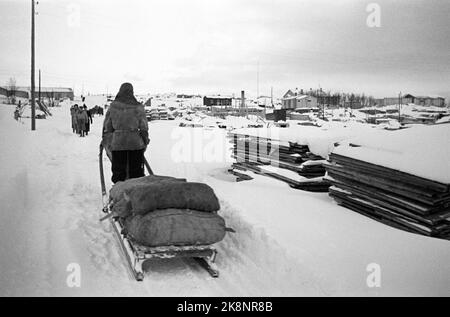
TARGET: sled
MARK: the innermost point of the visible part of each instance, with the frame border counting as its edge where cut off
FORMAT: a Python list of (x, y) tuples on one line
[(136, 254)]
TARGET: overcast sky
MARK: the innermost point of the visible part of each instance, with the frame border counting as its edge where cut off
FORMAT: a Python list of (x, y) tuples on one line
[(215, 46)]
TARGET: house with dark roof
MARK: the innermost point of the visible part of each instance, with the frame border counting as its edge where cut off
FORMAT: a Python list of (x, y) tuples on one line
[(436, 101), (217, 101), (3, 92)]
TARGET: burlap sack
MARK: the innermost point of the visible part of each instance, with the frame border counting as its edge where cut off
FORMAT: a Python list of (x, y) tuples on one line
[(117, 191), (168, 194), (176, 227), (142, 195)]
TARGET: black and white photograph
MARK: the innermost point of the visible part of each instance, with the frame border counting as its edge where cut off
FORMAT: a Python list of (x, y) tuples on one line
[(244, 149)]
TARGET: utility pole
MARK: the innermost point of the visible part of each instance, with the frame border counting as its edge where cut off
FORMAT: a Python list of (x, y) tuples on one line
[(242, 101), (321, 102), (39, 95), (33, 106)]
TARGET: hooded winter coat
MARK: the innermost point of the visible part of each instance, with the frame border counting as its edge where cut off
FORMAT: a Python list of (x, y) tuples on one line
[(89, 120), (82, 119), (125, 127)]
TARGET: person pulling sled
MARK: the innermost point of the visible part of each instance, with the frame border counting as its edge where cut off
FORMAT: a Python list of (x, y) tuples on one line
[(125, 135), (153, 216)]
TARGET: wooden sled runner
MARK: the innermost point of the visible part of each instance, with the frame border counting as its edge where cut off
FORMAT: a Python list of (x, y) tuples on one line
[(136, 254)]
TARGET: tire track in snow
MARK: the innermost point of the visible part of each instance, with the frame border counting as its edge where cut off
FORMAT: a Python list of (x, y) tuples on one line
[(97, 235), (250, 263)]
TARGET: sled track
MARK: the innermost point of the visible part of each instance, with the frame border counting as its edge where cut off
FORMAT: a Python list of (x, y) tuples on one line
[(250, 263)]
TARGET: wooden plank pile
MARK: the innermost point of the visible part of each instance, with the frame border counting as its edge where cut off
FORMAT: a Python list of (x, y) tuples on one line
[(396, 198), (288, 162), (312, 168)]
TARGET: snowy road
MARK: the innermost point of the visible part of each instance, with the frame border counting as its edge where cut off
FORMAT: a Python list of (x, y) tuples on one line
[(288, 242)]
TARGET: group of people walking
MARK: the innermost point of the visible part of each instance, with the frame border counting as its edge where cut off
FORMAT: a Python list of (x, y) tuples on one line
[(81, 119)]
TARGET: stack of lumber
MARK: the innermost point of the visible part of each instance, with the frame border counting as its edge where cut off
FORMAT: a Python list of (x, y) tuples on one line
[(288, 162), (153, 114), (312, 168), (402, 200), (43, 108)]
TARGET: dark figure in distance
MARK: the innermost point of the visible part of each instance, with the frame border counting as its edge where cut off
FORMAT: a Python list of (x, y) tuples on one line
[(89, 121), (82, 121), (125, 135)]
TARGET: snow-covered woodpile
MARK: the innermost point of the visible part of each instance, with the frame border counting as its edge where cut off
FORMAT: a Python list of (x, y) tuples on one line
[(403, 200), (289, 162)]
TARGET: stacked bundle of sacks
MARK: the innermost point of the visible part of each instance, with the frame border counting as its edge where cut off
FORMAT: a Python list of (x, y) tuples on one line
[(163, 211)]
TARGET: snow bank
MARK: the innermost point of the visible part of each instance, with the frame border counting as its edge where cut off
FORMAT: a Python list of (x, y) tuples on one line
[(235, 122), (288, 242), (27, 112)]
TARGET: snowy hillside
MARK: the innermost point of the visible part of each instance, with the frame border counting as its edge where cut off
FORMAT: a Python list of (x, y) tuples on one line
[(287, 242)]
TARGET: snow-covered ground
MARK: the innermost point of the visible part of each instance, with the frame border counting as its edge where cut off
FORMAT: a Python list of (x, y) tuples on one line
[(287, 242)]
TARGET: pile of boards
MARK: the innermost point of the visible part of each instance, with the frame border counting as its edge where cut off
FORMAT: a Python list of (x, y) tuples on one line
[(165, 211), (43, 108), (286, 161), (396, 198)]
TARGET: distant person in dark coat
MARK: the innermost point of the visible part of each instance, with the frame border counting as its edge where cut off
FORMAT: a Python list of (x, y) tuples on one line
[(73, 114), (82, 119), (89, 120), (125, 134), (98, 110)]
